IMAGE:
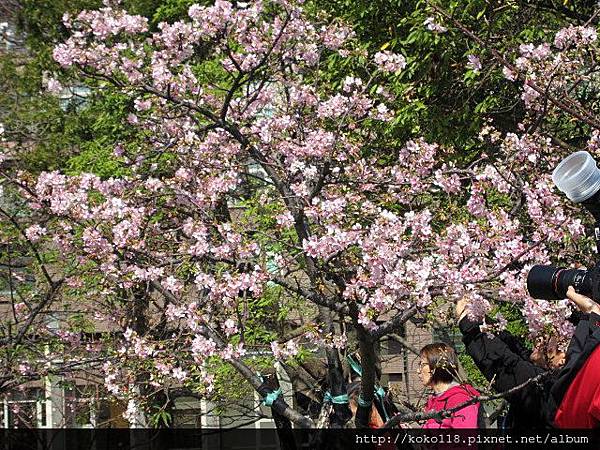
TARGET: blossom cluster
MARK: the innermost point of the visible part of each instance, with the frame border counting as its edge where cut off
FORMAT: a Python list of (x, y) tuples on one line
[(389, 62)]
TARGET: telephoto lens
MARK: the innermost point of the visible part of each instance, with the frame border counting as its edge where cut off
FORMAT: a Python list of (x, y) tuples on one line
[(551, 283)]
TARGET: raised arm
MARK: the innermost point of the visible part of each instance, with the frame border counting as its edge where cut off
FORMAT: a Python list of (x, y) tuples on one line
[(498, 358)]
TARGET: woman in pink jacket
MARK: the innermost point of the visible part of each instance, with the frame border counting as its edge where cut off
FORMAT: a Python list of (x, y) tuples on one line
[(439, 370)]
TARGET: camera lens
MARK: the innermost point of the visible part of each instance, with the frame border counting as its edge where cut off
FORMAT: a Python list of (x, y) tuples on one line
[(551, 283), (540, 282)]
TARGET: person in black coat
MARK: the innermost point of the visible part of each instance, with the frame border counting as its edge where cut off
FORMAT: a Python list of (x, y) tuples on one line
[(505, 362)]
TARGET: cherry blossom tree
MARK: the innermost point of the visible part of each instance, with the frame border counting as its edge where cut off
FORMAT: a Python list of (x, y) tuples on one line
[(258, 175)]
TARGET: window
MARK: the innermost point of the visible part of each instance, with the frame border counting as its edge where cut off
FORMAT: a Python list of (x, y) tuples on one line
[(393, 347), (26, 409), (395, 377), (187, 413), (84, 409)]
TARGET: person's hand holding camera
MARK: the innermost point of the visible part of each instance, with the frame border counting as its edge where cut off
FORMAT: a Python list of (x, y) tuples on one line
[(585, 304)]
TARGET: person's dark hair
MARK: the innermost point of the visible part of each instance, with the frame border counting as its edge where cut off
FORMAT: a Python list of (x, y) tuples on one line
[(443, 362)]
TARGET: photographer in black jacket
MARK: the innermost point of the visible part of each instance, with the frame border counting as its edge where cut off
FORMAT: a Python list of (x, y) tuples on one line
[(503, 360)]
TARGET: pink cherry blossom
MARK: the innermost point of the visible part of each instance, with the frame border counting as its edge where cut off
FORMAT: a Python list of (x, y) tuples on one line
[(433, 26), (389, 62), (474, 63)]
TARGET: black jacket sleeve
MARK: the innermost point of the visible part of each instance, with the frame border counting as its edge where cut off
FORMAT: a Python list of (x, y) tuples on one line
[(500, 359), (585, 338)]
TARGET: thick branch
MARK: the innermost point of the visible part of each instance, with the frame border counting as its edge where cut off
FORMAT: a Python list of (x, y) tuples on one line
[(311, 295), (335, 372), (395, 323), (368, 359)]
